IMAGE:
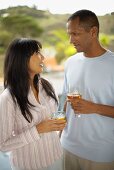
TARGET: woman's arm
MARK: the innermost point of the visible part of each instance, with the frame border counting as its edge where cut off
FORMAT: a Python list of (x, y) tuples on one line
[(9, 139)]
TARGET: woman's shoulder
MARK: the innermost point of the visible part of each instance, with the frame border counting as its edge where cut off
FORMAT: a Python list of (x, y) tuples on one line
[(46, 82), (5, 96)]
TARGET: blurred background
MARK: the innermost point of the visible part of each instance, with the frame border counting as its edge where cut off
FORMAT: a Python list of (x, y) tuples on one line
[(45, 20)]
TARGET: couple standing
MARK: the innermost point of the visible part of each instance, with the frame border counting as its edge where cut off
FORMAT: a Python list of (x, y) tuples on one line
[(28, 101)]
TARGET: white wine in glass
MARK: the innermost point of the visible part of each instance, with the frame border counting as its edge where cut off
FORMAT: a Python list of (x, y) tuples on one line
[(59, 115), (74, 95)]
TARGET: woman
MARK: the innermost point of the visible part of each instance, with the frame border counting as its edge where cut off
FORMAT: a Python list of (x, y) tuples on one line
[(26, 105)]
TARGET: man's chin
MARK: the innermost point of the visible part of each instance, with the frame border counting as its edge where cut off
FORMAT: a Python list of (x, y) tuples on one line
[(78, 50)]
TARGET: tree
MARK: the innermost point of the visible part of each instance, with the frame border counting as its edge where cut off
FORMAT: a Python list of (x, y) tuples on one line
[(21, 25), (5, 38)]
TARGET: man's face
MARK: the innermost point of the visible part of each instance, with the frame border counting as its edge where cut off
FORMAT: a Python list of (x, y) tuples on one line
[(79, 37)]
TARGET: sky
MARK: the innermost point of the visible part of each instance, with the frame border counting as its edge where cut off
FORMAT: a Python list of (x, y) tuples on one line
[(100, 7)]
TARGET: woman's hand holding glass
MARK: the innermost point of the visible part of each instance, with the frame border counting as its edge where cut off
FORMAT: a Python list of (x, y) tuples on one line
[(54, 124)]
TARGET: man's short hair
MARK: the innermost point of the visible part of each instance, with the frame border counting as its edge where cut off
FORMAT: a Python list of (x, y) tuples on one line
[(87, 19)]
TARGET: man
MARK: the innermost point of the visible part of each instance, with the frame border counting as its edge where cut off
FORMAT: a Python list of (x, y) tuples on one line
[(88, 139)]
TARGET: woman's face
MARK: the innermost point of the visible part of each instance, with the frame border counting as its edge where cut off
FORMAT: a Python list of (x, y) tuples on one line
[(36, 63)]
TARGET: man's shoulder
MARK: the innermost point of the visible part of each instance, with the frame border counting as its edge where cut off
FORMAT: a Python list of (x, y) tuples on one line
[(108, 52), (110, 56), (74, 57)]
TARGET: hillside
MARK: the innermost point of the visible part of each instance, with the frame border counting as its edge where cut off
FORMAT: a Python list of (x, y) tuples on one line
[(45, 18), (55, 21)]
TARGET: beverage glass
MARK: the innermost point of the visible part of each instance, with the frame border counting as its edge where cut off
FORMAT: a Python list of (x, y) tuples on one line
[(74, 95), (59, 115)]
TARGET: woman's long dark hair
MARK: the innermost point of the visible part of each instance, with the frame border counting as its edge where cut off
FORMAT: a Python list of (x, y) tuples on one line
[(16, 74)]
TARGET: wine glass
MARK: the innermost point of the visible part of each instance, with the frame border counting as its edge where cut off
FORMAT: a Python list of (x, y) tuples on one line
[(73, 94)]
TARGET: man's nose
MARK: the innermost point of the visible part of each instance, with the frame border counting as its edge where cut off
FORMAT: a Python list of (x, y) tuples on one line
[(72, 40)]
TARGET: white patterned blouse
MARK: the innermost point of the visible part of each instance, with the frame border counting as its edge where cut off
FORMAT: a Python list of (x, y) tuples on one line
[(28, 149)]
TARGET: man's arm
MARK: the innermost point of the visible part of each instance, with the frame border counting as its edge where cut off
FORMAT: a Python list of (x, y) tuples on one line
[(87, 107), (105, 110)]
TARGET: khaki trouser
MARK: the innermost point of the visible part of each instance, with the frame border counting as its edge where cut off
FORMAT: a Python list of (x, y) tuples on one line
[(73, 162)]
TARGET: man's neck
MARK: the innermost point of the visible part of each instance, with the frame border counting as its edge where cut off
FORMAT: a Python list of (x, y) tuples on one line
[(95, 51)]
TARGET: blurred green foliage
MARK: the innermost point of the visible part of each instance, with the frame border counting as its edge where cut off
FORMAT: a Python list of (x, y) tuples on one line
[(1, 65), (63, 47), (104, 39), (17, 26), (21, 25)]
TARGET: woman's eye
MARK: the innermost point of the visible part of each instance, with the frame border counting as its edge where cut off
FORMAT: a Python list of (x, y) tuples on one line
[(38, 52)]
